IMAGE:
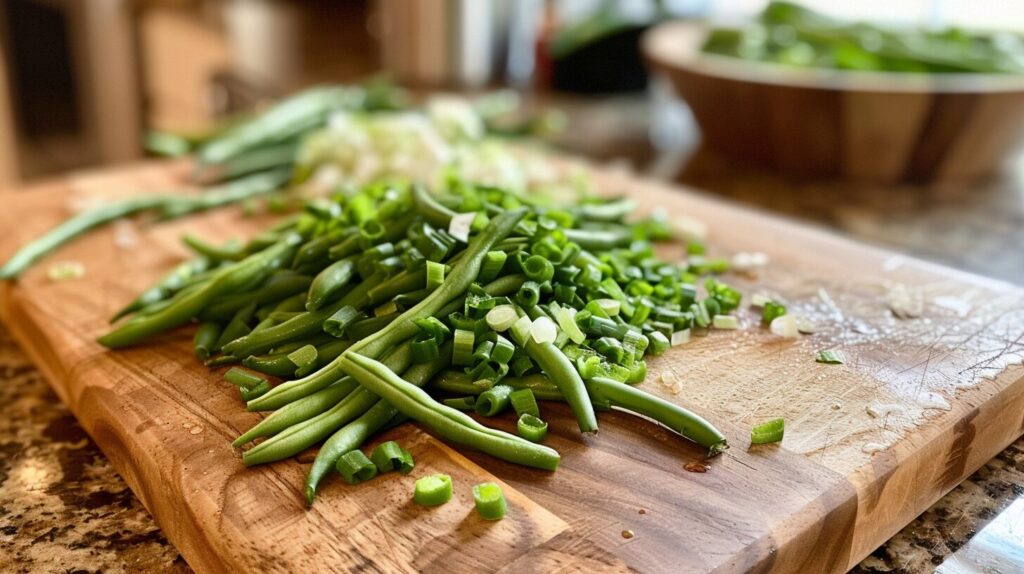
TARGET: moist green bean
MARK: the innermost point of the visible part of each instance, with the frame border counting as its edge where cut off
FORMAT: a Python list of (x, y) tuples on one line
[(447, 422), (354, 434), (295, 412), (330, 282), (184, 308), (564, 375), (205, 340), (299, 437), (675, 417), (278, 286)]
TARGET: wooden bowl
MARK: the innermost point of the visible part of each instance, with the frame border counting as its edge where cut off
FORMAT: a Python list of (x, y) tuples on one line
[(881, 126)]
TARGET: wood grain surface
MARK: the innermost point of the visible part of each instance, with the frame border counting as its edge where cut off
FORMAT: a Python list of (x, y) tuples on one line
[(919, 405)]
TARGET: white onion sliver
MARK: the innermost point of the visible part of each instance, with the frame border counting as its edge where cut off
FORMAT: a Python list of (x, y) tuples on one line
[(784, 326), (544, 330)]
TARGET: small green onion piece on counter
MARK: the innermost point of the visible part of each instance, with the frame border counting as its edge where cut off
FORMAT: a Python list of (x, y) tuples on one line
[(769, 432), (389, 456), (680, 337), (461, 403), (725, 322), (462, 350), (433, 490), (531, 428), (831, 357), (501, 318), (66, 271), (255, 391), (354, 467), (435, 274), (490, 501), (772, 311), (523, 402), (242, 378)]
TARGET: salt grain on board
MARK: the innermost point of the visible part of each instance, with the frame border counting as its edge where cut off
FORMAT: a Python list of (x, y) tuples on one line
[(879, 410)]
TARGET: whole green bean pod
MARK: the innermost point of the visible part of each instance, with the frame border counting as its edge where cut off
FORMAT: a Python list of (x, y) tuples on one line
[(305, 324), (449, 423), (74, 227), (301, 410), (675, 417), (168, 285), (299, 437), (564, 375), (279, 286), (354, 434), (183, 309), (330, 282), (464, 273)]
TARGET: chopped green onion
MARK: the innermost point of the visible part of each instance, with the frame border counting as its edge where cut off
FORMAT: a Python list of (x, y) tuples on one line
[(521, 329), (461, 403), (493, 401), (528, 294), (659, 342), (460, 226), (522, 365), (501, 318), (680, 337), (700, 314), (772, 311), (492, 265), (336, 324), (462, 351), (435, 274), (434, 328), (304, 359), (538, 269), (433, 490), (389, 456), (425, 349), (242, 378), (503, 350), (523, 402), (531, 428), (254, 391), (543, 330), (566, 317), (490, 501), (771, 431), (831, 357), (760, 300), (611, 307), (726, 322), (355, 467)]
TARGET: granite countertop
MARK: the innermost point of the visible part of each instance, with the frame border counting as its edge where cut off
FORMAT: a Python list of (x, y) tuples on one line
[(63, 508)]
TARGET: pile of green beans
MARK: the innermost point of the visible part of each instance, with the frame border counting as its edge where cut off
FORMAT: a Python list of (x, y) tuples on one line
[(337, 303)]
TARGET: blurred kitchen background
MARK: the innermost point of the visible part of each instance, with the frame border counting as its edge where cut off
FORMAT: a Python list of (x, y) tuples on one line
[(81, 81)]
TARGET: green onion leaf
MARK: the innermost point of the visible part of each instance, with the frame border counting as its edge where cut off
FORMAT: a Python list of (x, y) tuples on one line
[(831, 357)]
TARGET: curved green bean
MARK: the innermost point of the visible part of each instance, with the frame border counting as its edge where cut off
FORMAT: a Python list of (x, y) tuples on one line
[(330, 282), (449, 423)]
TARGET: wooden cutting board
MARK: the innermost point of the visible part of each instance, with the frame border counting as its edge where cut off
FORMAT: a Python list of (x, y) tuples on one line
[(920, 404)]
